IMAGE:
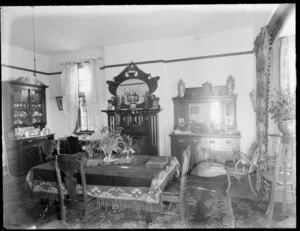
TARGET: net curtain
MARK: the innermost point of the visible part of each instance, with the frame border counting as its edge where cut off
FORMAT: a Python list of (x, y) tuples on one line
[(69, 82)]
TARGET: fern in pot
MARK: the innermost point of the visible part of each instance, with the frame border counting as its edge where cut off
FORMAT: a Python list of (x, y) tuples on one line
[(105, 141), (283, 110)]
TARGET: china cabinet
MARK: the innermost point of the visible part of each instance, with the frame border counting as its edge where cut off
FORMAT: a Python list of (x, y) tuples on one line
[(135, 108), (28, 104), (24, 115), (205, 118)]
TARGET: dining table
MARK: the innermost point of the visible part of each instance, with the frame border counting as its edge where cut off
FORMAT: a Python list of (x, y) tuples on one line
[(129, 185)]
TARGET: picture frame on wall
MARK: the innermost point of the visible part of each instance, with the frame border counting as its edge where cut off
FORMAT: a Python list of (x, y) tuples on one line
[(59, 102)]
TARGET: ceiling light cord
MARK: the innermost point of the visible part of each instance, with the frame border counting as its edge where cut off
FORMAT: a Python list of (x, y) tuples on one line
[(33, 35)]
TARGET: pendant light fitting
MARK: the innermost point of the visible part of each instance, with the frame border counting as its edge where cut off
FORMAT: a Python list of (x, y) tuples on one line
[(34, 59)]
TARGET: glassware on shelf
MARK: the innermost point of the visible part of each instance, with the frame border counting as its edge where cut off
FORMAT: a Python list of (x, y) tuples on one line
[(16, 114)]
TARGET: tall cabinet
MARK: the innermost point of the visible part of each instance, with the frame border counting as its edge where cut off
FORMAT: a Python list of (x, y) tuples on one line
[(24, 109), (205, 118)]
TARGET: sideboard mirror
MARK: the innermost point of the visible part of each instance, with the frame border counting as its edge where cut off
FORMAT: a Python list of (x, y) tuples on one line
[(207, 110), (133, 88)]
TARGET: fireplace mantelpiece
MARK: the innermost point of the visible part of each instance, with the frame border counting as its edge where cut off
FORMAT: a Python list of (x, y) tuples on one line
[(135, 108), (141, 125)]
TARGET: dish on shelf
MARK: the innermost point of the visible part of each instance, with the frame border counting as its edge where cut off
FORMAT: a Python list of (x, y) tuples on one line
[(23, 114)]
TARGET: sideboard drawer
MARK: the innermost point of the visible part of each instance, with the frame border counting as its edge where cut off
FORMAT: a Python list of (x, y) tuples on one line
[(220, 142)]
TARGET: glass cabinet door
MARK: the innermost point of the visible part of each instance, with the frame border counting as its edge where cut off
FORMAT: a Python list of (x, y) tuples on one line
[(21, 106), (37, 106)]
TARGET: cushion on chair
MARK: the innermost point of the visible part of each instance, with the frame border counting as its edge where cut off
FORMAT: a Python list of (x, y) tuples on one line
[(172, 189)]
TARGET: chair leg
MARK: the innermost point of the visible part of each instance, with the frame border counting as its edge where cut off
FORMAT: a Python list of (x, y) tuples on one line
[(63, 213), (271, 202), (229, 182), (182, 210), (249, 178), (85, 214), (170, 203)]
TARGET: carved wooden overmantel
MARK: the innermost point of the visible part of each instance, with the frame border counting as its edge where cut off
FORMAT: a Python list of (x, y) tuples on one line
[(135, 108)]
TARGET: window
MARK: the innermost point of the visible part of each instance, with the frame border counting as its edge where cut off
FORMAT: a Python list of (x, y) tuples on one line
[(84, 122)]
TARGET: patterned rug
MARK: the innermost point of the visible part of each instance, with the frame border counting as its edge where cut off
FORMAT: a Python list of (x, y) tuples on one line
[(203, 209), (207, 206), (249, 214)]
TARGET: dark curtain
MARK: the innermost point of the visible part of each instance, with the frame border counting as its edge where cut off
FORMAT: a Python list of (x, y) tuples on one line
[(262, 48)]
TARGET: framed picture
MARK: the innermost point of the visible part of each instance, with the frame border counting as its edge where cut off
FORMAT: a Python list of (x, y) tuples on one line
[(59, 102), (181, 122)]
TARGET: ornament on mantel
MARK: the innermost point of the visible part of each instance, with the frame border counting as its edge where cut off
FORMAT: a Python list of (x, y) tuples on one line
[(230, 83), (181, 88)]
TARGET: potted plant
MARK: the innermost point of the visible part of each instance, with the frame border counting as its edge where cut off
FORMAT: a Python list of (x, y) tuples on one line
[(105, 141), (283, 110)]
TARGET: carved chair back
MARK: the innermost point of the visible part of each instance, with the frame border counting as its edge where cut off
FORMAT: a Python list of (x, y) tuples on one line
[(73, 144), (70, 166), (48, 148)]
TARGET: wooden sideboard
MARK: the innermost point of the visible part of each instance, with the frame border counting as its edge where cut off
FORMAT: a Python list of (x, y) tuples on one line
[(221, 146), (22, 153), (205, 118)]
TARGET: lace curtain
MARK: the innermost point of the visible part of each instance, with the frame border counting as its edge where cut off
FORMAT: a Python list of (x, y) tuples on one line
[(288, 64), (282, 76), (91, 92), (69, 82)]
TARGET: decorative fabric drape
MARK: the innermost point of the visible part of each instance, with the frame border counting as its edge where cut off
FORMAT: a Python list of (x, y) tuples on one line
[(69, 82), (91, 92), (262, 47)]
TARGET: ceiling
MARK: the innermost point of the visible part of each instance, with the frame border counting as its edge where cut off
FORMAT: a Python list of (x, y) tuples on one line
[(63, 29)]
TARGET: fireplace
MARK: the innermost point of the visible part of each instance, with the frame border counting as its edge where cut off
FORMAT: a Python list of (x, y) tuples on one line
[(135, 108)]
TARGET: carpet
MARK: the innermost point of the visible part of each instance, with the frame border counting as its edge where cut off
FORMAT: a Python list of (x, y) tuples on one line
[(205, 207), (250, 214)]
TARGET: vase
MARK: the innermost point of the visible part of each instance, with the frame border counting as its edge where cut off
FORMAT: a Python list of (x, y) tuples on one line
[(181, 88), (287, 126)]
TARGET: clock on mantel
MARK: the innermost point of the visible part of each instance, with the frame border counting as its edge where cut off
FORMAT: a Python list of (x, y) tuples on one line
[(135, 108)]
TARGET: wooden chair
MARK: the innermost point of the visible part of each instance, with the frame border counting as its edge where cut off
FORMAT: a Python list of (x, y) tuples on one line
[(243, 165), (278, 174), (47, 149), (73, 144), (71, 166), (174, 191)]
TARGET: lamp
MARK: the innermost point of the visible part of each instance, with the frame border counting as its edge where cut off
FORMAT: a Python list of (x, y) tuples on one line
[(34, 60)]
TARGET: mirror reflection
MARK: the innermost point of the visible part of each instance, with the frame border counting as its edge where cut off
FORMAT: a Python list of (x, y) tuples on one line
[(132, 91)]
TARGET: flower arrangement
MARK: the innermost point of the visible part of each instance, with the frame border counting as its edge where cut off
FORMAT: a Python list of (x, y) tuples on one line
[(127, 146), (103, 140), (283, 106)]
